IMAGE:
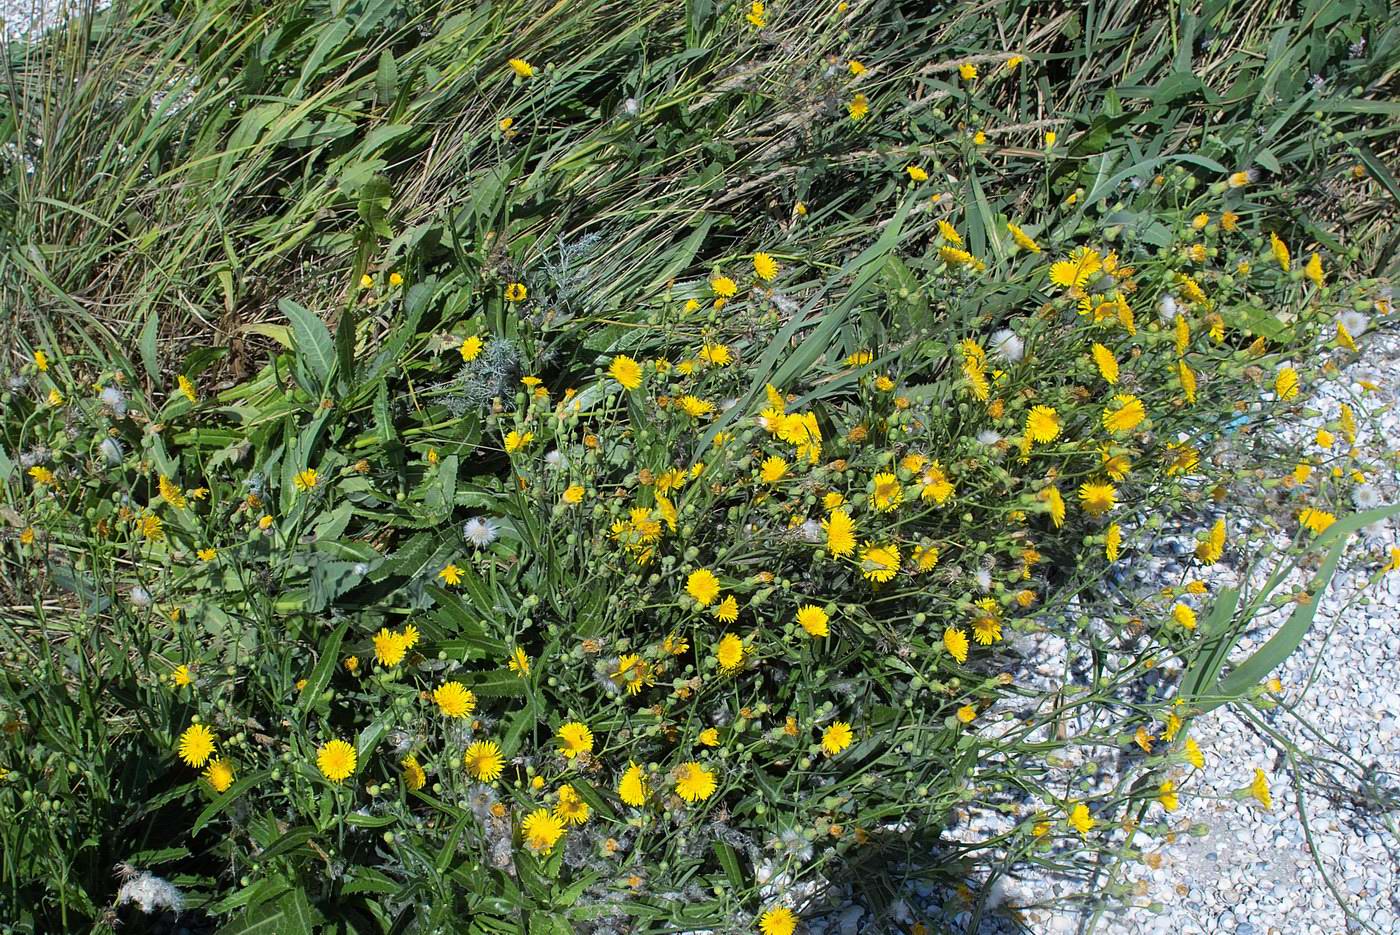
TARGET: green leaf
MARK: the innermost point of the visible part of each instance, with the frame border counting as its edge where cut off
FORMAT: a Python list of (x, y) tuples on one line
[(150, 356), (321, 675), (226, 798), (386, 78), (315, 350)]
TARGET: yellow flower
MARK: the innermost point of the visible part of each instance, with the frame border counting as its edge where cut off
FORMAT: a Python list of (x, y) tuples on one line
[(695, 407), (305, 480), (187, 388), (1194, 756), (1080, 819), (1286, 383), (879, 563), (219, 775), (450, 574), (730, 654), (1076, 271), (813, 619), (1313, 271), (1280, 251), (727, 610), (702, 586), (389, 647), (967, 71), (575, 738), (966, 714), (716, 355), (778, 920), (516, 292), (888, 493), (724, 287), (709, 737), (840, 533), (916, 173), (633, 787), (571, 809), (41, 361), (516, 440), (519, 662), (396, 279), (955, 641), (626, 371), (470, 349), (694, 783), (413, 775), (1042, 424), (949, 232), (573, 494), (1014, 62), (1184, 616), (181, 676), (1097, 498), (483, 760), (55, 398), (1210, 549), (765, 267), (1166, 794), (773, 469), (1106, 362), (836, 738), (1188, 380), (857, 69), (858, 107), (454, 699), (521, 67), (540, 831), (336, 760), (196, 745), (1124, 414), (207, 555), (1051, 495), (1023, 240), (1315, 520), (755, 15), (980, 139), (1050, 137), (366, 281), (1259, 789)]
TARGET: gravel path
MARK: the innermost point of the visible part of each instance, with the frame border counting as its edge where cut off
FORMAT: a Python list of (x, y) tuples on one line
[(1255, 872)]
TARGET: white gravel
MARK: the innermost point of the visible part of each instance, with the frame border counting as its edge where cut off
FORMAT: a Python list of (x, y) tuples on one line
[(1254, 872)]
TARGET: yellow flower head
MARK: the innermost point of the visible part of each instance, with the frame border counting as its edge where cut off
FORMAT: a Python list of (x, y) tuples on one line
[(454, 699), (879, 563), (483, 760), (336, 760), (196, 745), (813, 619), (694, 783), (702, 586), (521, 67), (626, 371), (540, 831), (778, 920), (840, 533), (633, 788), (765, 267), (219, 775), (836, 738), (730, 653), (575, 738), (955, 641)]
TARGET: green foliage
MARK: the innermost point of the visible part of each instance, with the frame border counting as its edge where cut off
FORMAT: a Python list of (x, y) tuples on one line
[(308, 213)]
